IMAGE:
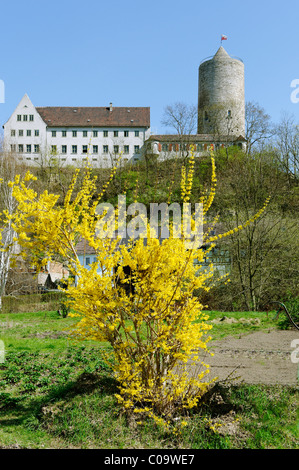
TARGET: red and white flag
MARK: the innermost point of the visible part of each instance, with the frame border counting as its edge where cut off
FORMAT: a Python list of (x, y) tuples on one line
[(223, 37)]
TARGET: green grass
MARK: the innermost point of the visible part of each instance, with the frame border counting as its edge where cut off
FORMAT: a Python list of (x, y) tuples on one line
[(56, 392), (254, 321)]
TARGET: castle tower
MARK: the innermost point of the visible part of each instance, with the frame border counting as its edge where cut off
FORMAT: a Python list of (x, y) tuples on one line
[(221, 100)]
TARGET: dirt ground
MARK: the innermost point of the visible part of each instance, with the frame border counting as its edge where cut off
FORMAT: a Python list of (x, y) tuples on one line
[(263, 357)]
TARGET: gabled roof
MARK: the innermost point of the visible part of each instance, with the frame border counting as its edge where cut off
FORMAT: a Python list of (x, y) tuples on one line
[(83, 248), (56, 116)]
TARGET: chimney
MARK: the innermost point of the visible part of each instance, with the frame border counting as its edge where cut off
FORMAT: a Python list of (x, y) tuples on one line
[(111, 107)]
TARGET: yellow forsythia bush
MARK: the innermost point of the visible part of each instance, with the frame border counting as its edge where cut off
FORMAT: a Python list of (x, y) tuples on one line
[(157, 329)]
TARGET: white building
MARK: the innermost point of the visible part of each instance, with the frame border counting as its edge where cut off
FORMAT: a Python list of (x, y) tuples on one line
[(169, 146), (75, 134), (100, 134)]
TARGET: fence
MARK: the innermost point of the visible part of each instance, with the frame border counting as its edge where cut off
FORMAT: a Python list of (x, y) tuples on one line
[(32, 302)]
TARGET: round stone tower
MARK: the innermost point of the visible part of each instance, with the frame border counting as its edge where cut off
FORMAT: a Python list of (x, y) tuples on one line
[(221, 100)]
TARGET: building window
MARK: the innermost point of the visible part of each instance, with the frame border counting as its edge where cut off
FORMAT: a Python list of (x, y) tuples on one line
[(12, 133), (87, 261), (28, 148), (21, 148), (95, 133), (36, 132), (13, 147), (19, 117), (74, 133), (53, 133), (95, 149), (63, 133), (115, 133), (84, 133), (136, 148), (136, 133), (21, 133), (164, 148), (105, 133), (116, 148), (54, 148), (28, 133), (206, 116), (31, 117), (84, 148), (25, 117), (126, 133), (64, 149), (36, 148), (74, 148), (105, 148), (126, 149)]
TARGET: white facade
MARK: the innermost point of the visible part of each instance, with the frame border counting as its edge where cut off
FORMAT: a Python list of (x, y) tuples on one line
[(25, 133), (34, 140), (100, 146)]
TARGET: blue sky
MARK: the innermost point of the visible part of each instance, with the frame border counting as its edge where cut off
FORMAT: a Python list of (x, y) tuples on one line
[(133, 53)]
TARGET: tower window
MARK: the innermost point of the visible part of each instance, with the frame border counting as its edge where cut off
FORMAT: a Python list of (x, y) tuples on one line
[(206, 116)]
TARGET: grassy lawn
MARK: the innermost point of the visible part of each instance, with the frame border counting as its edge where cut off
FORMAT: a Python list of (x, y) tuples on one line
[(56, 392)]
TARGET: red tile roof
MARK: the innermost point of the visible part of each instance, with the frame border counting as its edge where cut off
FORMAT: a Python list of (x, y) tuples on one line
[(55, 116)]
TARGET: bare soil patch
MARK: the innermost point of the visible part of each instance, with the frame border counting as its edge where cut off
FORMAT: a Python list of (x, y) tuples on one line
[(263, 357)]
